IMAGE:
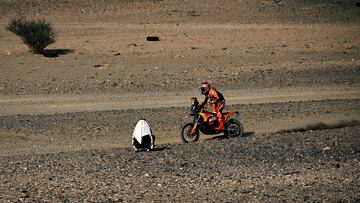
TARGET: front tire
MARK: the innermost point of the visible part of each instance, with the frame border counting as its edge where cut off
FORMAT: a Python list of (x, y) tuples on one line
[(186, 136), (233, 129)]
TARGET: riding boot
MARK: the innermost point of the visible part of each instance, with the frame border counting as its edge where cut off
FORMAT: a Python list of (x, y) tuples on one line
[(221, 124)]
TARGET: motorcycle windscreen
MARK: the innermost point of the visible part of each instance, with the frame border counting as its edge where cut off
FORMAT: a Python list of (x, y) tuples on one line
[(142, 129)]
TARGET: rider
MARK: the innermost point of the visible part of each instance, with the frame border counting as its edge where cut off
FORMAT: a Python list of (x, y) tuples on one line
[(216, 99)]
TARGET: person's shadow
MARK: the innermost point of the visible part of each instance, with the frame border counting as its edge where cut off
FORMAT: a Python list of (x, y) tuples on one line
[(155, 149), (159, 148)]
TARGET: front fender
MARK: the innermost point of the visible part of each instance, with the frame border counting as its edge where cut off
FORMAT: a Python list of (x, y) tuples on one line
[(204, 116)]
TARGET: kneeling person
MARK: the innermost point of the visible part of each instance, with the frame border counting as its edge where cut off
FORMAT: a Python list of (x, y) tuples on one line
[(142, 136)]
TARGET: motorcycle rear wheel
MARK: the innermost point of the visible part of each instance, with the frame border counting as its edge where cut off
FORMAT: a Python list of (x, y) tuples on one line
[(233, 129), (186, 136)]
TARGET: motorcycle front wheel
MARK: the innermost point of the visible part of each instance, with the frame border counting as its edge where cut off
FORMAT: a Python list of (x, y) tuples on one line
[(233, 129), (186, 136)]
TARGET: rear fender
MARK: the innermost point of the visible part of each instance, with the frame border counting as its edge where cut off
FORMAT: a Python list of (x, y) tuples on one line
[(231, 115)]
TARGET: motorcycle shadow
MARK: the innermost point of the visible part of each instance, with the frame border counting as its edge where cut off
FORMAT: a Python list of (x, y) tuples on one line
[(222, 137)]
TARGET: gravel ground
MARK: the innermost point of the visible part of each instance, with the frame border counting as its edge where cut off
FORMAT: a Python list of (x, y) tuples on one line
[(247, 44), (309, 166)]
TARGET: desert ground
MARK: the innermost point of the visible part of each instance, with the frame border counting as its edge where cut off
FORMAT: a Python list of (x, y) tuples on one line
[(291, 68)]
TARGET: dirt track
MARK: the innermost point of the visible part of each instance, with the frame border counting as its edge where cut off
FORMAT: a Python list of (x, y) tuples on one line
[(49, 104), (287, 66), (27, 134)]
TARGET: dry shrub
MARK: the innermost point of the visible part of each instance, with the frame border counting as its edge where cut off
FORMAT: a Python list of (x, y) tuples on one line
[(36, 34)]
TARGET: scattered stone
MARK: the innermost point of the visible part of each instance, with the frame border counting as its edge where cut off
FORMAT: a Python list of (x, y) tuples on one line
[(193, 13), (153, 38), (25, 194), (104, 66)]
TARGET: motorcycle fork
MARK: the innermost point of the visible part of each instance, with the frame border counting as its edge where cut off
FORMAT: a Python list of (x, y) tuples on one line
[(193, 130)]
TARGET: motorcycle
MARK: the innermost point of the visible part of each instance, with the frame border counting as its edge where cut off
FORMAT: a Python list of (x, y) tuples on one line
[(206, 122)]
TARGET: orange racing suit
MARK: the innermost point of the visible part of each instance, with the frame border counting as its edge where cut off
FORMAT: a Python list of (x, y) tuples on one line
[(217, 100)]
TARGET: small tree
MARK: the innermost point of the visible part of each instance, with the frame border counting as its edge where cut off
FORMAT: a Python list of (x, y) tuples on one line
[(35, 34)]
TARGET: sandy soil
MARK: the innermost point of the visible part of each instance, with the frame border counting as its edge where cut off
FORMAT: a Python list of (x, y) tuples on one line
[(118, 59), (291, 68)]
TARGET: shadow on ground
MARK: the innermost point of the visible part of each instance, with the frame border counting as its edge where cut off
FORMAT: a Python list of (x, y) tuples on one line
[(222, 137), (53, 53), (156, 149)]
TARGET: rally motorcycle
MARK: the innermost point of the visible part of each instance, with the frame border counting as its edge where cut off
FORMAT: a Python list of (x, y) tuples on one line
[(206, 122)]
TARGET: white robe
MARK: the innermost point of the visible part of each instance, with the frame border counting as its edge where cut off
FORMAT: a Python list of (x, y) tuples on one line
[(141, 130)]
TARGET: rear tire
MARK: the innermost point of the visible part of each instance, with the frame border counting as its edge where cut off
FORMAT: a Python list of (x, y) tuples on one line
[(233, 129), (186, 136)]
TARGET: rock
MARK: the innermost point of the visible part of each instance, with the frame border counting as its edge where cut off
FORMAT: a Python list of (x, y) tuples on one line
[(104, 66), (153, 38), (193, 13), (25, 194), (132, 44)]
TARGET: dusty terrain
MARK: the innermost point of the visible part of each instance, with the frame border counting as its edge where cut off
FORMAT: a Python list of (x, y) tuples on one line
[(291, 68), (311, 166)]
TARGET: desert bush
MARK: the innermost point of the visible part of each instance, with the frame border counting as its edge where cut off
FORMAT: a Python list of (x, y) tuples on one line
[(36, 34)]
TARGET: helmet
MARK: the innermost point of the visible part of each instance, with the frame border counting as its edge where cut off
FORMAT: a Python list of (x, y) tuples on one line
[(204, 87)]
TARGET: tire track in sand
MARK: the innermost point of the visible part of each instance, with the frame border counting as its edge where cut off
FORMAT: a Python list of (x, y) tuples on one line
[(49, 104)]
